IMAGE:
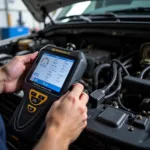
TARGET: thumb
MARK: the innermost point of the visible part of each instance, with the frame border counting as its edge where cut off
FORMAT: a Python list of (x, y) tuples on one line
[(29, 57), (34, 55)]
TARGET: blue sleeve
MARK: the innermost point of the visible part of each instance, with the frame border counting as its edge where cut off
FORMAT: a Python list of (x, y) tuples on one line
[(2, 135)]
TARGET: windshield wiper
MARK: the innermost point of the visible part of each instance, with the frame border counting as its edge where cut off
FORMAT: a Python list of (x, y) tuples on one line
[(132, 10), (107, 14), (89, 17), (76, 17)]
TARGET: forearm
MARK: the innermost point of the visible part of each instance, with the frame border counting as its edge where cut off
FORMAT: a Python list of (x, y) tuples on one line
[(51, 141), (2, 79)]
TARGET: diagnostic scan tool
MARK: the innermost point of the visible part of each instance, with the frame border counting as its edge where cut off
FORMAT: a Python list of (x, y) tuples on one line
[(54, 71)]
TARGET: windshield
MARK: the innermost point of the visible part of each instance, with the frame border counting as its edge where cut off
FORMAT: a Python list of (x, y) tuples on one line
[(104, 6)]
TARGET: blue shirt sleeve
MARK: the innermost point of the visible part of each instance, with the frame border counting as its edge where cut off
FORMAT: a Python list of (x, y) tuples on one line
[(2, 135)]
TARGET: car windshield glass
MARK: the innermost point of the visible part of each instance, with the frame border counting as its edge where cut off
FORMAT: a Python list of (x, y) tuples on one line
[(95, 7)]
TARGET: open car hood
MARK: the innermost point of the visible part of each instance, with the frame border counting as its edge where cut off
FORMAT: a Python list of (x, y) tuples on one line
[(36, 6)]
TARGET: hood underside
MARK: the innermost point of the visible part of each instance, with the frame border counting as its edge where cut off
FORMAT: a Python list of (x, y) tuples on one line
[(35, 6)]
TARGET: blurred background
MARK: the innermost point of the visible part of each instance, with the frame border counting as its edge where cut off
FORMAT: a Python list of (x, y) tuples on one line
[(15, 16), (16, 20), (14, 13)]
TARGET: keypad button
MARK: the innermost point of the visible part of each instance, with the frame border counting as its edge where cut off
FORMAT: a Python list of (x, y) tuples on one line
[(31, 109), (33, 93), (41, 97), (35, 101)]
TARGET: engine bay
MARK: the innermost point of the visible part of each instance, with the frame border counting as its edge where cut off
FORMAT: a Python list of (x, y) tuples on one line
[(117, 79)]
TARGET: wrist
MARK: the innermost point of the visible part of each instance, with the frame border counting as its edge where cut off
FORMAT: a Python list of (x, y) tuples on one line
[(53, 134), (51, 140)]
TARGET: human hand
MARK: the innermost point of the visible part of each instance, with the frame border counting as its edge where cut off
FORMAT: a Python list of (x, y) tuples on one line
[(68, 116), (13, 72)]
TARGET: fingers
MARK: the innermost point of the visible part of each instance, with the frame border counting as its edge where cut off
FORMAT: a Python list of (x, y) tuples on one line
[(84, 124), (28, 58), (77, 90), (84, 98), (76, 95), (63, 97)]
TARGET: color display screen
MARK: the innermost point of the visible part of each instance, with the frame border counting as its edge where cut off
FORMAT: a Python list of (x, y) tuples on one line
[(52, 71)]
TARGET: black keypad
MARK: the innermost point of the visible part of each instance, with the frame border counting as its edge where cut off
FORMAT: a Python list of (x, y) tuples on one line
[(31, 109), (41, 97), (33, 93), (35, 101)]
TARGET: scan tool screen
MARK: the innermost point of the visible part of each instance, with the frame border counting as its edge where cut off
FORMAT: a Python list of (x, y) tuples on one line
[(52, 71)]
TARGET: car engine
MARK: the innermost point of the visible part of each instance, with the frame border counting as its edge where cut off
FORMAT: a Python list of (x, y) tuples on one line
[(117, 80)]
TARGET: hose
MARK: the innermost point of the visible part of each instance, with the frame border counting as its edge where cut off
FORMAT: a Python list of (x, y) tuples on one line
[(96, 73), (119, 81), (127, 61), (144, 71), (121, 65), (128, 66), (121, 105), (114, 65), (113, 78), (118, 86)]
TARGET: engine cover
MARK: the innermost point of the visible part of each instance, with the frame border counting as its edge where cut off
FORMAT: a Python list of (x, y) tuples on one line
[(94, 57)]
